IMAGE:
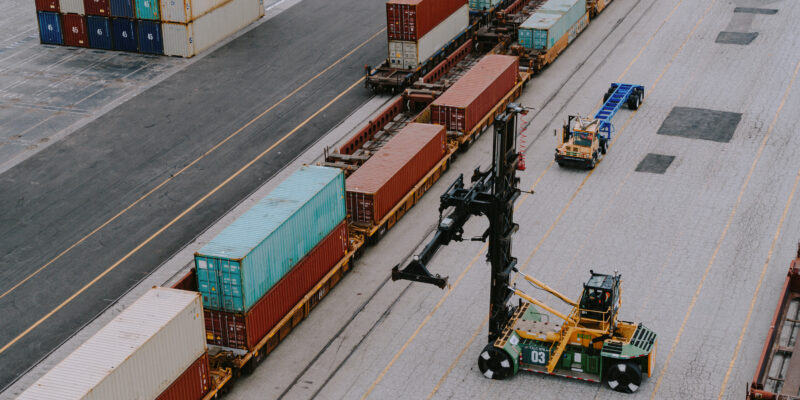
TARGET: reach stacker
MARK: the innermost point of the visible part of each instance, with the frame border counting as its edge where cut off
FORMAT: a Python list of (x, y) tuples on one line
[(590, 343), (584, 140)]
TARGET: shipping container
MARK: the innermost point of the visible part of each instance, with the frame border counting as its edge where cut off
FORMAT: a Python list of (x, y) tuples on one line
[(412, 19), (149, 34), (405, 54), (135, 356), (147, 9), (190, 10), (483, 5), (71, 7), (99, 32), (47, 5), (97, 7), (465, 103), (74, 27), (244, 331), (189, 39), (122, 8), (550, 23), (253, 253), (50, 28), (123, 34), (376, 187), (193, 384)]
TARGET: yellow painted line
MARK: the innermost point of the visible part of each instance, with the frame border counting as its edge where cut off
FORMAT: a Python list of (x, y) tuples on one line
[(647, 44), (724, 233), (182, 170), (179, 217), (758, 287)]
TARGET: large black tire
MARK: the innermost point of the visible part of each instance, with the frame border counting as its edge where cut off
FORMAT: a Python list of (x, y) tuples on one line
[(634, 100), (624, 376), (495, 363), (603, 146), (593, 163), (605, 97)]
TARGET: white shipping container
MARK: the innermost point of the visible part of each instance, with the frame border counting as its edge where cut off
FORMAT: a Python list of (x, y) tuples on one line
[(136, 356), (71, 7), (188, 10), (409, 54), (189, 39)]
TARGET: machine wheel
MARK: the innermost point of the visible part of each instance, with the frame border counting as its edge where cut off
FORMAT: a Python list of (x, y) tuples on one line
[(495, 363), (593, 163), (634, 100), (624, 377), (605, 97), (603, 147)]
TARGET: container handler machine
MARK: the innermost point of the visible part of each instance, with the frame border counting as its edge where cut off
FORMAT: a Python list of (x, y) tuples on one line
[(590, 344), (584, 140)]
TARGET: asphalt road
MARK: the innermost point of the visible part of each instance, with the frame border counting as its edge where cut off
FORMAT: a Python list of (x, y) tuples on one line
[(703, 247), (160, 169)]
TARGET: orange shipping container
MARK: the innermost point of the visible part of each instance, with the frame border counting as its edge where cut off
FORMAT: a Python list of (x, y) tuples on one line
[(462, 106), (376, 187), (412, 19), (193, 384)]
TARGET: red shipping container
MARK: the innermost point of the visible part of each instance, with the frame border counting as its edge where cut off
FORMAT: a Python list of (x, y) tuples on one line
[(97, 7), (462, 106), (74, 27), (245, 331), (412, 19), (47, 5), (376, 187), (193, 383)]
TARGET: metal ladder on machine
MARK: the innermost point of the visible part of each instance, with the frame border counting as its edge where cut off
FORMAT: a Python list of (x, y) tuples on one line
[(621, 94)]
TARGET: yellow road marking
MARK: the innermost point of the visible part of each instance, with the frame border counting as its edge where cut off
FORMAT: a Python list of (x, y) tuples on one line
[(179, 217), (182, 170), (724, 233), (758, 287)]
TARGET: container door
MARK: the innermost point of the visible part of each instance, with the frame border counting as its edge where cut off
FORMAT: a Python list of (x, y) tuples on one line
[(99, 32), (50, 28), (230, 284), (122, 8), (207, 283), (75, 30), (150, 38), (147, 9), (124, 34), (97, 7)]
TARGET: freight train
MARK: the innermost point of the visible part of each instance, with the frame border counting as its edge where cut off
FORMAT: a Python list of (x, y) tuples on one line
[(264, 273)]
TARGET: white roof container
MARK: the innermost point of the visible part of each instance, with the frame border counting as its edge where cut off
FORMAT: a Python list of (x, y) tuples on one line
[(136, 356)]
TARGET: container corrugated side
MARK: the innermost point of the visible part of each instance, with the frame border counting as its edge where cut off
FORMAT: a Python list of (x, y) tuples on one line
[(147, 9), (193, 383), (50, 28), (127, 358), (253, 253), (410, 54), (189, 39), (376, 187), (465, 103), (75, 33), (244, 331), (550, 23), (71, 7), (122, 8), (47, 5), (97, 7), (413, 19)]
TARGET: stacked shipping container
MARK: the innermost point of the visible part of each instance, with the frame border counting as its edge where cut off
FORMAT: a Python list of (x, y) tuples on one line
[(125, 359), (465, 103), (551, 22), (171, 27), (418, 29)]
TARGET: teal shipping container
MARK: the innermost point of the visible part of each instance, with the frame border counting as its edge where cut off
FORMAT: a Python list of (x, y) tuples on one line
[(481, 5), (550, 23), (147, 9), (253, 253)]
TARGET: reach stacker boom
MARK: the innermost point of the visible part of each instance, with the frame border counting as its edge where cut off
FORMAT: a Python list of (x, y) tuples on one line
[(590, 342), (584, 141)]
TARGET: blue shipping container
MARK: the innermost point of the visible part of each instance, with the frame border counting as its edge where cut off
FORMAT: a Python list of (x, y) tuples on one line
[(123, 33), (122, 8), (552, 21), (147, 9), (251, 255), (50, 28), (150, 37), (99, 32)]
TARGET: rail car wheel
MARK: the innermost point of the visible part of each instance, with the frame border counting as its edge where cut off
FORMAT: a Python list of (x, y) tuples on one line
[(495, 363), (624, 377)]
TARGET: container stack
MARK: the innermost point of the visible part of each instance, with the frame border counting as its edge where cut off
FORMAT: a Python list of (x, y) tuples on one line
[(259, 267), (418, 29), (170, 27), (554, 21), (126, 358)]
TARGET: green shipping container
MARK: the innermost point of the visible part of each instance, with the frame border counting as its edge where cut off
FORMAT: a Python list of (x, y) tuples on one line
[(252, 254), (147, 9), (550, 23), (481, 5)]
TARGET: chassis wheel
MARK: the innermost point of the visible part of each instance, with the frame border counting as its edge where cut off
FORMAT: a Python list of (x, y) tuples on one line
[(624, 377), (495, 363)]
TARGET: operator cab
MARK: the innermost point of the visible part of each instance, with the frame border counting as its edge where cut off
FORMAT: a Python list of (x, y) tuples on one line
[(599, 300), (584, 130)]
